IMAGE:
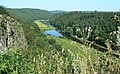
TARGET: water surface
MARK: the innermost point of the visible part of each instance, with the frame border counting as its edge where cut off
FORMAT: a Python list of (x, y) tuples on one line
[(53, 33)]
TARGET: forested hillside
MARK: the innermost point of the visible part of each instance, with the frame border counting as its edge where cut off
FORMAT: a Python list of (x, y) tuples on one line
[(32, 14), (96, 26), (3, 10)]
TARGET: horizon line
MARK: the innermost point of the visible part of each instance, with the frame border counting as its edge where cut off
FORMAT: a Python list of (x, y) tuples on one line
[(63, 9)]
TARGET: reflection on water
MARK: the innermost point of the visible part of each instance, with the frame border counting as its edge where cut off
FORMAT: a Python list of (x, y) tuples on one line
[(53, 33)]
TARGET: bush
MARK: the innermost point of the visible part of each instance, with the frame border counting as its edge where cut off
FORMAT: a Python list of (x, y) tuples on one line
[(42, 44), (51, 41), (3, 10), (58, 47), (14, 62)]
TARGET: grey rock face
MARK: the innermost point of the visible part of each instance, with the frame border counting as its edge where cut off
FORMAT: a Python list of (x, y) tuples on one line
[(11, 34)]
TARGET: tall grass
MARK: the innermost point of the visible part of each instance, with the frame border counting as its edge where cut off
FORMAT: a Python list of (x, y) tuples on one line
[(53, 61)]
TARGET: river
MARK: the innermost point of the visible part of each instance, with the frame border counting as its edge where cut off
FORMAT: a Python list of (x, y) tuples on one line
[(53, 33)]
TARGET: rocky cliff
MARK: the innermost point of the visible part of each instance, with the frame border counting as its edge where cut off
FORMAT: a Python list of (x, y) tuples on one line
[(11, 34)]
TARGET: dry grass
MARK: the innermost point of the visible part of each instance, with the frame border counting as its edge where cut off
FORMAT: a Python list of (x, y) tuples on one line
[(44, 26)]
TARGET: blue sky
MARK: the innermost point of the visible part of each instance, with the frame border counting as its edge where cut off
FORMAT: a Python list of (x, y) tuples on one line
[(80, 5)]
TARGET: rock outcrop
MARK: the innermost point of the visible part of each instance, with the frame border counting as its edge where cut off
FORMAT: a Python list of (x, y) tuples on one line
[(11, 34)]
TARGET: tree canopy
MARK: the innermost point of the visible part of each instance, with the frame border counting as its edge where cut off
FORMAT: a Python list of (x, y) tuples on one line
[(103, 25), (3, 10)]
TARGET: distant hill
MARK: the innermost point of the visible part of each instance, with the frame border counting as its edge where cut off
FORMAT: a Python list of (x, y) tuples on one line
[(87, 11), (57, 11), (30, 14)]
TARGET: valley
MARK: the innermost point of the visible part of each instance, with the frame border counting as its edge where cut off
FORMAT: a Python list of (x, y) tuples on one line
[(66, 43), (48, 44)]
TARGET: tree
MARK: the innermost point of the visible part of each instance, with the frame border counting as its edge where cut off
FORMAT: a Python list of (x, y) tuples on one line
[(51, 41), (69, 31), (3, 10), (102, 24)]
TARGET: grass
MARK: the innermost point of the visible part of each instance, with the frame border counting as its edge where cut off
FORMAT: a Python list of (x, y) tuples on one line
[(44, 26), (75, 47), (67, 43)]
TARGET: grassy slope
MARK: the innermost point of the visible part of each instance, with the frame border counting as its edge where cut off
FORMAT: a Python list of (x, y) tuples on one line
[(43, 26), (67, 43), (77, 48)]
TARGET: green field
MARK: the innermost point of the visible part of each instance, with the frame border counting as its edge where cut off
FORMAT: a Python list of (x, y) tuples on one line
[(67, 43), (44, 26)]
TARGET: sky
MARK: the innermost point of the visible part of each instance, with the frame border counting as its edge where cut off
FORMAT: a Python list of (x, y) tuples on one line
[(66, 5)]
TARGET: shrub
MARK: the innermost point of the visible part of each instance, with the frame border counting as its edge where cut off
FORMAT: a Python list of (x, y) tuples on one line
[(58, 47), (51, 41), (14, 62), (3, 10)]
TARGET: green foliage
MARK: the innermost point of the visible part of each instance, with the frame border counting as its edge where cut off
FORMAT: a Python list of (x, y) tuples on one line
[(32, 14), (42, 44), (14, 62), (102, 24), (69, 31), (58, 47), (51, 41), (50, 60), (3, 10)]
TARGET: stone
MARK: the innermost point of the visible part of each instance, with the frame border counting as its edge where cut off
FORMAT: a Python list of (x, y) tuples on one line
[(14, 35), (0, 44), (1, 15)]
